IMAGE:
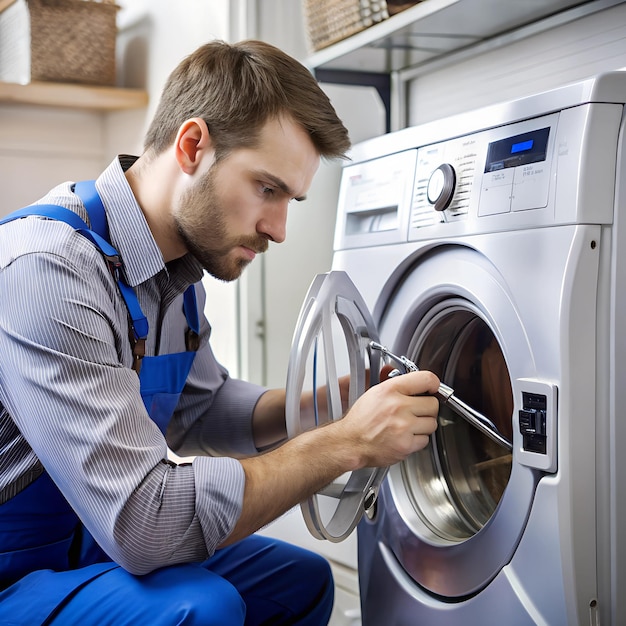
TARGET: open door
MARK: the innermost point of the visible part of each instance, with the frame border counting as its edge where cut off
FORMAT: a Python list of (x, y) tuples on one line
[(332, 340)]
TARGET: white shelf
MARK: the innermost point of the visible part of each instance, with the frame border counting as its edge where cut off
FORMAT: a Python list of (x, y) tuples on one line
[(435, 29)]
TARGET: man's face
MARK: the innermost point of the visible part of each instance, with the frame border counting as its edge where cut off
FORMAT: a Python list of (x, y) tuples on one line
[(240, 203)]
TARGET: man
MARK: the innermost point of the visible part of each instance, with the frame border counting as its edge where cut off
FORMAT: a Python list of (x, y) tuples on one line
[(105, 364)]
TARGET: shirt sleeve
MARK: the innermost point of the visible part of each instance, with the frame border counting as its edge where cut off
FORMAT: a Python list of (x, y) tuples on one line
[(217, 419), (67, 386)]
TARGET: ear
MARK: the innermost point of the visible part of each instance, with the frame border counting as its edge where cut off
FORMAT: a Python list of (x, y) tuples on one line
[(193, 142)]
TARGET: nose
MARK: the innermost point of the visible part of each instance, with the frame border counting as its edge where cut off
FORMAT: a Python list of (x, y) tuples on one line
[(273, 224)]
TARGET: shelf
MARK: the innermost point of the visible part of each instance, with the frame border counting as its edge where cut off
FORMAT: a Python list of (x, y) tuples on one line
[(434, 33), (436, 28), (73, 96)]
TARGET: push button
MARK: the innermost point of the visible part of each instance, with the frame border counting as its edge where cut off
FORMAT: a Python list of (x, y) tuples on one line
[(532, 422), (527, 421)]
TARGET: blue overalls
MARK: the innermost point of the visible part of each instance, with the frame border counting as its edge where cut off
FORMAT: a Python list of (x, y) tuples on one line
[(53, 572)]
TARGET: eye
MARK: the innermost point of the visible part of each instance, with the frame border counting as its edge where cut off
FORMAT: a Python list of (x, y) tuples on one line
[(267, 191)]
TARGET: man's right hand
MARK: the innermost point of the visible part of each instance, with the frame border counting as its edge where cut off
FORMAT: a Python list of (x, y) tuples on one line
[(386, 424), (392, 419)]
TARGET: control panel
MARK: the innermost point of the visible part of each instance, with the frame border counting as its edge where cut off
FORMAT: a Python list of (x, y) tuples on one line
[(494, 172), (516, 176), (471, 183), (444, 178)]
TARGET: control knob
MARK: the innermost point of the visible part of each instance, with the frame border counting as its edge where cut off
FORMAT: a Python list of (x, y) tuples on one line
[(441, 186)]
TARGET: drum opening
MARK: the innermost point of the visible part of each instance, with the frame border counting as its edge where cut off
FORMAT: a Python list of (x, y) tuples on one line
[(455, 484)]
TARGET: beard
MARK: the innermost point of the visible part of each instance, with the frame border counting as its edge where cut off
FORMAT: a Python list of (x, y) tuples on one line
[(201, 225)]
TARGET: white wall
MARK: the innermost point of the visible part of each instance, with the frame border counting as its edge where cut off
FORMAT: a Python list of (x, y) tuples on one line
[(41, 147)]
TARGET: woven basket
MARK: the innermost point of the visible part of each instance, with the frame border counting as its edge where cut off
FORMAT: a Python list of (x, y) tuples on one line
[(73, 41), (58, 40), (330, 21)]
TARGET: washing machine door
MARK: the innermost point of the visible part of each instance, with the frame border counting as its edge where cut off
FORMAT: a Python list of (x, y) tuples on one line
[(331, 358)]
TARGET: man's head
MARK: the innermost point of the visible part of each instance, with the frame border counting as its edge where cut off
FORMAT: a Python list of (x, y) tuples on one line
[(236, 89), (238, 134)]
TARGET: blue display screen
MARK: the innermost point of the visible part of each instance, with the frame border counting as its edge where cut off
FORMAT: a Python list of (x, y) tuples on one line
[(522, 146), (523, 149)]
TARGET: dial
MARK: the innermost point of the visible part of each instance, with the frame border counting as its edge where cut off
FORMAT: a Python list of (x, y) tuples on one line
[(440, 189)]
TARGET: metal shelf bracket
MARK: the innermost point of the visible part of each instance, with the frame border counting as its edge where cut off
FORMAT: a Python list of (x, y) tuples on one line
[(381, 82)]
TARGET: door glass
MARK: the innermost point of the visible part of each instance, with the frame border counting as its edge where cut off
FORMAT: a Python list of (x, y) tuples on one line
[(455, 483)]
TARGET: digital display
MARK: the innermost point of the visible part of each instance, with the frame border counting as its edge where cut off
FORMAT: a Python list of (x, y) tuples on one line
[(522, 146), (522, 149)]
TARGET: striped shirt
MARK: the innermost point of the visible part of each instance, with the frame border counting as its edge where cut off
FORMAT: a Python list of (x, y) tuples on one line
[(70, 402)]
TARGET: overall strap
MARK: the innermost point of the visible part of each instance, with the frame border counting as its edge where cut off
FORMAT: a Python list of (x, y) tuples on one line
[(87, 192), (138, 331), (61, 214)]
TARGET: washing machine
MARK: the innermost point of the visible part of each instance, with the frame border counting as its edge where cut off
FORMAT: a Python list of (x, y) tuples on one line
[(489, 248)]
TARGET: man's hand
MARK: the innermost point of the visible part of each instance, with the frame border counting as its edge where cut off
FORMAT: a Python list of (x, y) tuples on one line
[(393, 419), (386, 424)]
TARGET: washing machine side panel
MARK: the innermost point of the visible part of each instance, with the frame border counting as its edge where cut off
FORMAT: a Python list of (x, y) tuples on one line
[(578, 418), (614, 460), (586, 145)]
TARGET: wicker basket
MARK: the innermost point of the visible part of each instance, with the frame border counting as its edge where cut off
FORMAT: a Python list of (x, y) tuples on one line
[(330, 21), (66, 40)]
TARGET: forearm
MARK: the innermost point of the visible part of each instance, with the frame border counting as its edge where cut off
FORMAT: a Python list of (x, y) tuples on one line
[(268, 419), (278, 480)]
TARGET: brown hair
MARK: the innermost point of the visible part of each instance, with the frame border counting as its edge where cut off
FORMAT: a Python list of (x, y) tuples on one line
[(235, 89)]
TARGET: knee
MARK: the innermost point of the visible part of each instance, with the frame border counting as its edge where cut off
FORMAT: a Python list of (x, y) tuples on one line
[(316, 583), (319, 570), (207, 601)]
